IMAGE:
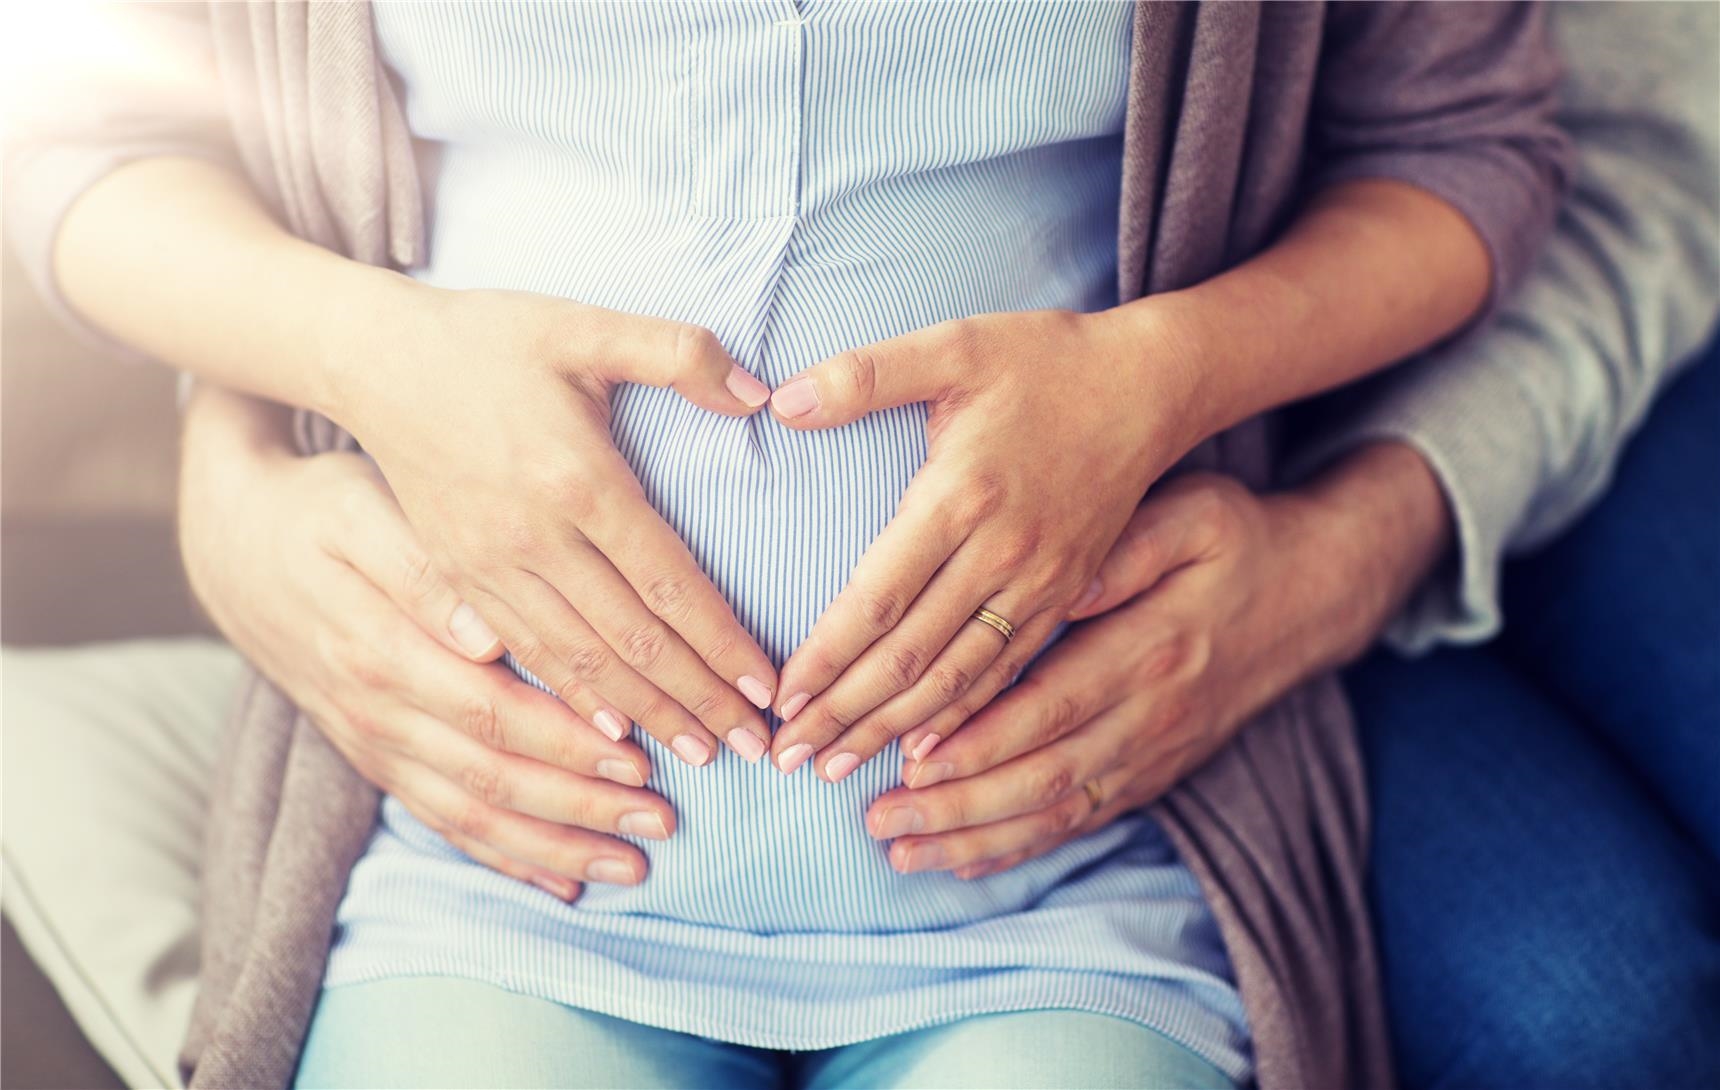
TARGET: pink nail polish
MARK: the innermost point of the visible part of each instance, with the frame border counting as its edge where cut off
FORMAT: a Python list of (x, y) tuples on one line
[(754, 690), (796, 398), (610, 724), (900, 821), (923, 857), (791, 707), (470, 631), (840, 766), (926, 775), (793, 757), (621, 772), (690, 749), (926, 745), (746, 743), (749, 390)]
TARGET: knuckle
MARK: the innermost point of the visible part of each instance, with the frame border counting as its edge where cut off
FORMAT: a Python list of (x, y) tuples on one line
[(419, 579), (1062, 715), (643, 644), (587, 660), (882, 608), (1051, 784), (484, 781), (710, 701), (668, 596), (987, 494), (1019, 548), (482, 722), (474, 820), (902, 664), (950, 683), (694, 345), (858, 371)]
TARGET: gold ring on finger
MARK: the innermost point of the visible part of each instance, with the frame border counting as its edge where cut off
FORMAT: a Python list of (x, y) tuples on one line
[(1095, 794), (995, 621)]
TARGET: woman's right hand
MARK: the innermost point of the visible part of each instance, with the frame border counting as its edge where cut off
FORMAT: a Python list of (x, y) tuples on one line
[(488, 413), (307, 565)]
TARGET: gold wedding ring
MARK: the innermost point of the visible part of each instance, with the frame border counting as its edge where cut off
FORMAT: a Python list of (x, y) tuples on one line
[(1095, 794), (996, 621)]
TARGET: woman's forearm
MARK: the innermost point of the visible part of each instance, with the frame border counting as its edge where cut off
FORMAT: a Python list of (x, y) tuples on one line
[(1370, 272), (178, 258)]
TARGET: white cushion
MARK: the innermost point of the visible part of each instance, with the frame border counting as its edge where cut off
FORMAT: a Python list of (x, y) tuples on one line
[(108, 751)]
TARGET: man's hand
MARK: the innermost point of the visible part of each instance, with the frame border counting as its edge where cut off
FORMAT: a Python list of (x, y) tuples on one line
[(1220, 602), (308, 567)]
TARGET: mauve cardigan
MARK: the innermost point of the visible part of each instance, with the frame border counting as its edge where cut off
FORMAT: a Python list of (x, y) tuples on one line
[(1235, 110)]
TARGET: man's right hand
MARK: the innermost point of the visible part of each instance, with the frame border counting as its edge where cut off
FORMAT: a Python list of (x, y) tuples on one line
[(488, 413), (309, 568)]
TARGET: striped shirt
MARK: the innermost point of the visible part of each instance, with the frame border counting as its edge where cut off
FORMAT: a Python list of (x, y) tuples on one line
[(800, 179)]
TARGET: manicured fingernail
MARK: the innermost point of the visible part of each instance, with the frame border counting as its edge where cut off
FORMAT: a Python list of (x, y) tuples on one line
[(793, 757), (690, 749), (610, 724), (925, 775), (797, 398), (926, 745), (840, 765), (899, 821), (614, 871), (747, 388), (643, 823), (1094, 590), (621, 772), (791, 707), (470, 631), (754, 690), (559, 888), (922, 857), (746, 743)]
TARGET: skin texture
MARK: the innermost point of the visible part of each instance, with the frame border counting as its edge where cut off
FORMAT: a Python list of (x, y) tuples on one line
[(309, 567), (1215, 603), (488, 414), (1047, 427)]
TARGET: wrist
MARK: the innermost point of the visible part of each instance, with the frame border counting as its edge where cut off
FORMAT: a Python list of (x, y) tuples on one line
[(1162, 343), (369, 308), (1367, 532)]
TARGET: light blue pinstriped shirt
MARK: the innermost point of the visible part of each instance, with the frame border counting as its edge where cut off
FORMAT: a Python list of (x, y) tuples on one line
[(800, 180)]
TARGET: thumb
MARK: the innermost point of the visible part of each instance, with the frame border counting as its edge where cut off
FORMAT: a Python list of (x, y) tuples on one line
[(840, 390), (1158, 540), (619, 347)]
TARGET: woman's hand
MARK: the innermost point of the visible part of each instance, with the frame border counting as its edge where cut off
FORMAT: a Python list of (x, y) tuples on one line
[(1045, 429), (308, 567), (1224, 601), (488, 413)]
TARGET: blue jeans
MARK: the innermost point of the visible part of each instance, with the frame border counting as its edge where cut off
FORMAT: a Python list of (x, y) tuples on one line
[(1546, 847), (425, 1032)]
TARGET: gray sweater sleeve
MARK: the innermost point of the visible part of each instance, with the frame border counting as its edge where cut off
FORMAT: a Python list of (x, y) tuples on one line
[(1523, 420)]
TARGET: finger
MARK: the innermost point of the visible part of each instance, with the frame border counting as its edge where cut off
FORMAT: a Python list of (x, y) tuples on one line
[(508, 782), (662, 572), (534, 658), (893, 573), (1160, 537), (947, 681), (647, 644), (573, 661), (917, 366), (1031, 783), (1112, 786), (576, 854), (619, 347), (504, 714), (381, 546), (1053, 824), (917, 743)]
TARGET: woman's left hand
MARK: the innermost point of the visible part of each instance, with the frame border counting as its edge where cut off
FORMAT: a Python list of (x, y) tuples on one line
[(1045, 429)]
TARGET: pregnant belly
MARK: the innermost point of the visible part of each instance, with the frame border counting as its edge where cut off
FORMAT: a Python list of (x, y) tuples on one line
[(778, 519)]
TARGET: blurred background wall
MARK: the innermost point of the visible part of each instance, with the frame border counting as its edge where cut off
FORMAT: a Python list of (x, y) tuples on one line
[(87, 467)]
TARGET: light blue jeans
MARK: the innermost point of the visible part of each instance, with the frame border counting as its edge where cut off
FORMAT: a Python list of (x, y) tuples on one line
[(428, 1032)]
